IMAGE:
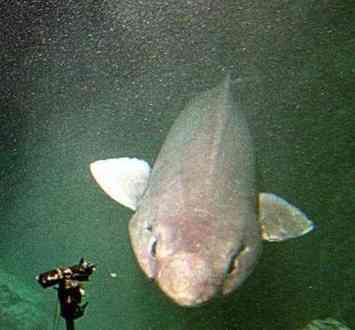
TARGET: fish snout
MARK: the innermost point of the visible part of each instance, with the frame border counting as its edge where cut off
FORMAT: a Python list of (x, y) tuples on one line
[(187, 279)]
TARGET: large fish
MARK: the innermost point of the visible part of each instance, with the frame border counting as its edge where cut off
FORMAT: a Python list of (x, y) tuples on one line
[(199, 222)]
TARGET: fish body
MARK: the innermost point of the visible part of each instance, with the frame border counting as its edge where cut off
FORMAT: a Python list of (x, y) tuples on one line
[(199, 222)]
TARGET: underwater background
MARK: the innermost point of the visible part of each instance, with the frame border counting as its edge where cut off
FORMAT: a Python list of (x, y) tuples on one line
[(87, 80)]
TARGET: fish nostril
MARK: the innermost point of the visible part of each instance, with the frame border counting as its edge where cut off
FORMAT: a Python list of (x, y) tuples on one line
[(233, 260)]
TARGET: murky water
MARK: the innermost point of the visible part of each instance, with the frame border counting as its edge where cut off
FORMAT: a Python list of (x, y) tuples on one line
[(93, 80)]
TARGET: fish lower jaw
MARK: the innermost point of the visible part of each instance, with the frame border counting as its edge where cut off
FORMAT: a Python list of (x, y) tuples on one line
[(190, 301)]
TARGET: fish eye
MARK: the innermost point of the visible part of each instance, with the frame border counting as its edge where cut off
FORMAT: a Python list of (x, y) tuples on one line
[(153, 241), (233, 260), (153, 248)]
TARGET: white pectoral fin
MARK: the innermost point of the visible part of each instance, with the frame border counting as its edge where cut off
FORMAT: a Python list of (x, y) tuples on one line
[(280, 220), (123, 179)]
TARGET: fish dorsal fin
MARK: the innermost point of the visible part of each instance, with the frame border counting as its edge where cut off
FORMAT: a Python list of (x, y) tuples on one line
[(123, 179), (280, 220)]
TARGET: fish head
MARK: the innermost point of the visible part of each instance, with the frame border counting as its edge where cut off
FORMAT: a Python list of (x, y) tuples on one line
[(194, 260)]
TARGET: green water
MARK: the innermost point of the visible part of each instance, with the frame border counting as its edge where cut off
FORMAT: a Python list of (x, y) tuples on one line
[(92, 80)]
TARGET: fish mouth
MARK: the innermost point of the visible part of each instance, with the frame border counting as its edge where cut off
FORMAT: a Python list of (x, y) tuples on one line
[(187, 279)]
